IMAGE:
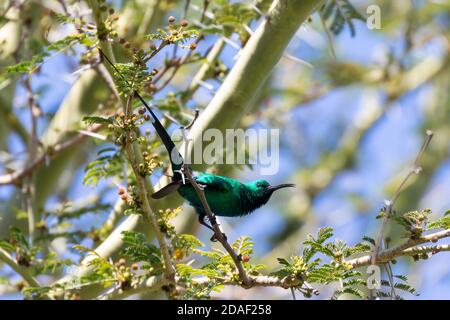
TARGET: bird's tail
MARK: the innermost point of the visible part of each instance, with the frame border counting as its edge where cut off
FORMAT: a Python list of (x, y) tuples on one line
[(175, 157)]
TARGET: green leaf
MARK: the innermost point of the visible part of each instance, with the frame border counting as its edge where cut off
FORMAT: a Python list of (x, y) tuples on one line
[(7, 246), (324, 234), (442, 223), (104, 166), (401, 277), (60, 45), (354, 291), (243, 246), (368, 239), (186, 241), (98, 120), (187, 271), (406, 287), (340, 13), (355, 281), (81, 248), (283, 261), (139, 249)]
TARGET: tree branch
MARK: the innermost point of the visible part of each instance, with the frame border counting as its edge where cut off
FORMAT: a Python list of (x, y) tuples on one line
[(204, 70), (51, 152), (409, 248), (155, 283), (22, 271), (29, 187), (405, 249), (169, 270), (246, 281), (415, 169)]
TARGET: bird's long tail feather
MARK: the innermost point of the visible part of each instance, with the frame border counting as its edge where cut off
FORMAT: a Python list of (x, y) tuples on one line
[(176, 159)]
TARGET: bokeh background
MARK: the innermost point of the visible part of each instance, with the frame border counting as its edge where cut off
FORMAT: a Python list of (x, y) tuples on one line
[(350, 127)]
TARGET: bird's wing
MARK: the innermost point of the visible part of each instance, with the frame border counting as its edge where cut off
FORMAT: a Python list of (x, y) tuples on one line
[(219, 183)]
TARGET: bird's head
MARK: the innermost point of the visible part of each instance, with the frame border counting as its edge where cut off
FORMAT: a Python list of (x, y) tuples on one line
[(264, 190), (256, 194)]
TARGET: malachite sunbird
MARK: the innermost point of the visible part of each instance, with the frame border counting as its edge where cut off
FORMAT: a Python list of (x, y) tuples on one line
[(225, 196)]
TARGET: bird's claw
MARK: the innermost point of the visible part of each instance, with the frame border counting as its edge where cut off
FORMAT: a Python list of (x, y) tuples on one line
[(214, 238), (201, 186), (212, 220)]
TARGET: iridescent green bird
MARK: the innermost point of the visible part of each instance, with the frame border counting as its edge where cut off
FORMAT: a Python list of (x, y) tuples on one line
[(225, 196)]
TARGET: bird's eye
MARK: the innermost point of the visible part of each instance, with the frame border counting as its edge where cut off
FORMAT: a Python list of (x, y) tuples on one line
[(261, 185)]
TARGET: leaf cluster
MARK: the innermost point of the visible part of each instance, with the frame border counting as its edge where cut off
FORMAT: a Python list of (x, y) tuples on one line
[(109, 163), (340, 13), (29, 66)]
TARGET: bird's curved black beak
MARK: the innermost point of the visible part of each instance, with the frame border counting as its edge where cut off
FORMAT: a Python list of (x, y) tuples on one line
[(281, 186)]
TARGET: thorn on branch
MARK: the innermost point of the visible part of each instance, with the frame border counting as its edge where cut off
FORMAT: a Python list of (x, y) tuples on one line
[(197, 112)]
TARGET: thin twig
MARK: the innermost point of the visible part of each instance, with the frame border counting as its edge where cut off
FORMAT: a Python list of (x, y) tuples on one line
[(106, 76), (203, 71), (183, 60), (51, 152), (246, 281), (156, 51), (13, 121), (186, 8), (169, 269), (64, 7), (205, 7), (408, 248), (218, 234), (268, 281), (134, 157), (329, 35), (388, 268), (293, 294), (197, 112), (415, 169), (29, 190), (178, 64)]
